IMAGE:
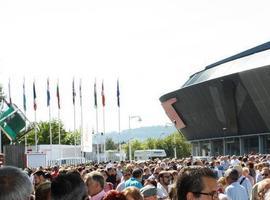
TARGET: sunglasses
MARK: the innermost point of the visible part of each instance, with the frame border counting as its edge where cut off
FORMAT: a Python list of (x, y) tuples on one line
[(265, 174)]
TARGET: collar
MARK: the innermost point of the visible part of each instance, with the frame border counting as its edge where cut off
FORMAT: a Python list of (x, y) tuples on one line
[(99, 195)]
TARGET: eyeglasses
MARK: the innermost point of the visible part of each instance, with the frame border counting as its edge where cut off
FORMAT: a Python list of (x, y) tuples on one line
[(265, 174), (166, 177), (214, 195)]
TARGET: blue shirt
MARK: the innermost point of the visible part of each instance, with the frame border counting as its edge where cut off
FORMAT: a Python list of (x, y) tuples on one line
[(235, 191), (133, 182)]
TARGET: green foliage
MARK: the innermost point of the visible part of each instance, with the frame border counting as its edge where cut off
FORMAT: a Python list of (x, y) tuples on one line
[(183, 148), (44, 134), (110, 145)]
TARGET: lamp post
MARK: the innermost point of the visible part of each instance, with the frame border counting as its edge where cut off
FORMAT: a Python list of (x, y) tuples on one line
[(139, 119), (174, 139)]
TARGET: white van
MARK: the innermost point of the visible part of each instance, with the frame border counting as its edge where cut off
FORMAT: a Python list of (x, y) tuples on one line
[(149, 154)]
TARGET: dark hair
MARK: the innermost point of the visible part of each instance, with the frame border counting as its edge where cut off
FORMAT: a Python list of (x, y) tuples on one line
[(40, 173), (190, 180), (68, 187), (232, 174), (137, 173), (114, 195), (43, 191)]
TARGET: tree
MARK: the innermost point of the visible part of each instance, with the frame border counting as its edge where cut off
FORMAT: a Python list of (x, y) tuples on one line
[(110, 145), (183, 148), (43, 134)]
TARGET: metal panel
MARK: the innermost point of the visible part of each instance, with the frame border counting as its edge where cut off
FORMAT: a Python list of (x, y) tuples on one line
[(15, 155)]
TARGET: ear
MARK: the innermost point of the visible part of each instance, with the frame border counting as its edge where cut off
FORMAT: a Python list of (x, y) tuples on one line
[(190, 196)]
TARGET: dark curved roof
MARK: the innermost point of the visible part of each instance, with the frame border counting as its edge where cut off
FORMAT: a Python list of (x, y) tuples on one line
[(233, 64), (248, 52)]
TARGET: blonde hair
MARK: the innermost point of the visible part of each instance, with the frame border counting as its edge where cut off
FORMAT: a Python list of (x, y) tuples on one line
[(133, 192)]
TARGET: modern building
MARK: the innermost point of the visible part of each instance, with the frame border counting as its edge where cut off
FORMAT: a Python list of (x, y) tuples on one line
[(225, 108)]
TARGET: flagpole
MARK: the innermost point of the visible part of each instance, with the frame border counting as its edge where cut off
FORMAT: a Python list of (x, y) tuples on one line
[(50, 126), (95, 101), (119, 129), (104, 134), (103, 104), (24, 108), (74, 111), (81, 131), (98, 159), (36, 131), (59, 134), (35, 113), (59, 128)]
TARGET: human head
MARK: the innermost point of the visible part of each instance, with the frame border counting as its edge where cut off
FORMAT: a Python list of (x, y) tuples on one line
[(39, 177), (15, 183), (245, 171), (265, 172), (164, 178), (68, 186), (231, 176), (137, 173), (264, 189), (114, 195), (149, 192), (193, 181), (126, 174), (132, 193), (95, 183)]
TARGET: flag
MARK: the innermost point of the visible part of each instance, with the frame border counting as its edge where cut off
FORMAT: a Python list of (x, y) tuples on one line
[(35, 96), (95, 94), (118, 94), (58, 95), (103, 95), (9, 92), (48, 93), (80, 90), (24, 97), (73, 92)]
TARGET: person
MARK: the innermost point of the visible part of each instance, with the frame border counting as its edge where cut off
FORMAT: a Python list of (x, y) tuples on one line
[(234, 190), (149, 192), (68, 186), (126, 175), (39, 178), (108, 185), (95, 184), (264, 189), (196, 182), (132, 193), (164, 180), (43, 191), (265, 173), (244, 181), (135, 180), (114, 195), (14, 184)]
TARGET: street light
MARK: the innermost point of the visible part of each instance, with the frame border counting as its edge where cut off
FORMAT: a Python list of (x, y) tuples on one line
[(139, 119), (174, 139)]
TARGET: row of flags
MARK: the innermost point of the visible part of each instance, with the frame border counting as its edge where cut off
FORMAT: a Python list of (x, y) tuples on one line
[(58, 94)]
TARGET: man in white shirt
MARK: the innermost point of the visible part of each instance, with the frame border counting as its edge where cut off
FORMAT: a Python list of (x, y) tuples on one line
[(234, 190), (164, 180)]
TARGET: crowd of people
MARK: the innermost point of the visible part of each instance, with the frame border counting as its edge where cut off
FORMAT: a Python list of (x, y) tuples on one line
[(223, 177)]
